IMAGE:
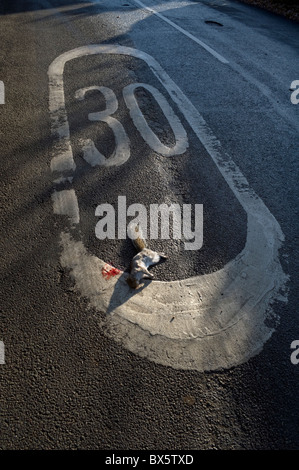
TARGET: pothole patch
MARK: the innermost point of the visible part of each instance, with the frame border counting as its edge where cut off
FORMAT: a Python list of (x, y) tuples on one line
[(213, 23)]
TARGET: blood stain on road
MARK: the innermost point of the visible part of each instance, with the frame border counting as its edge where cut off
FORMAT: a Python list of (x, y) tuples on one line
[(109, 271)]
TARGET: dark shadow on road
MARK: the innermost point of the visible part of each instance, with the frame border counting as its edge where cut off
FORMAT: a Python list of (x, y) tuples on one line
[(123, 293), (20, 6), (70, 7)]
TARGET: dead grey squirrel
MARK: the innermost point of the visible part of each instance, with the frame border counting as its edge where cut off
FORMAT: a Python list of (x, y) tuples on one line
[(143, 260)]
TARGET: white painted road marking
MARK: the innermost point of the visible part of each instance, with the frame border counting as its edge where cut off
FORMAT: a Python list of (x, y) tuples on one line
[(140, 122), (65, 203), (205, 322), (122, 148), (2, 355), (279, 107), (183, 31), (2, 93)]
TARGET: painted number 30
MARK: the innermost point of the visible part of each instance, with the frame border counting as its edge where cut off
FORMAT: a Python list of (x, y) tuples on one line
[(122, 144)]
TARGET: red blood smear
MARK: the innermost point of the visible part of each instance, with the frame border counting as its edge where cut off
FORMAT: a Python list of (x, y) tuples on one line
[(109, 271)]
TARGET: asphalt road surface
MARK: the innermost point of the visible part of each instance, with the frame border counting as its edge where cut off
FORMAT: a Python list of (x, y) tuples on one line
[(109, 109)]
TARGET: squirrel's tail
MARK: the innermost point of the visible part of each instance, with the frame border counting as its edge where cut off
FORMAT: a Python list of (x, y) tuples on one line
[(135, 233)]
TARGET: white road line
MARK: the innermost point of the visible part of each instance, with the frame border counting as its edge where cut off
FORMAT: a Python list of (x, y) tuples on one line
[(280, 108), (2, 93), (65, 203), (183, 31), (205, 322), (2, 355)]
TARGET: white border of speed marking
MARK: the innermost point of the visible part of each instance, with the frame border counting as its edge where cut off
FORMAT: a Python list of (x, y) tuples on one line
[(2, 354), (205, 322), (2, 93)]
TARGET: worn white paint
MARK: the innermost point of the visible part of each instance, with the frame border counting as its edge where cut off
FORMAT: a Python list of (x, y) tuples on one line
[(63, 179), (205, 322), (122, 149), (2, 93), (65, 203), (2, 353), (122, 144), (148, 135)]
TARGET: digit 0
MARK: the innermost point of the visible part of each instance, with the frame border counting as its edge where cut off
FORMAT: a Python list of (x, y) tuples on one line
[(140, 122)]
